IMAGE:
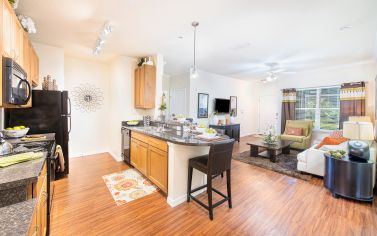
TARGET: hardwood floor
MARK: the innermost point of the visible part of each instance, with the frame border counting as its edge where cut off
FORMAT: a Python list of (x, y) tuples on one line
[(264, 203)]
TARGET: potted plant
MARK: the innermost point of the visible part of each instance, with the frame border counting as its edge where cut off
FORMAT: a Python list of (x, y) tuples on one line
[(270, 136), (232, 117), (162, 107)]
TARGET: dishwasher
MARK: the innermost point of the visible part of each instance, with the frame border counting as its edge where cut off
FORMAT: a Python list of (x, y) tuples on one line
[(126, 139)]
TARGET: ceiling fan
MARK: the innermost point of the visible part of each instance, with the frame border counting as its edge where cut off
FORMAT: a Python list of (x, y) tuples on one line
[(273, 72)]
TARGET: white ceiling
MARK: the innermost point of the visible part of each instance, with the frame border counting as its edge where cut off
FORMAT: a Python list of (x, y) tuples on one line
[(235, 37)]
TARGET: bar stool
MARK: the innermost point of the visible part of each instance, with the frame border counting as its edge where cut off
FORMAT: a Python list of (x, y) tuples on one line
[(215, 163)]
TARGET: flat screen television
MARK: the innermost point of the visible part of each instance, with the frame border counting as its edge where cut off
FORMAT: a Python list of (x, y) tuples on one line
[(222, 105)]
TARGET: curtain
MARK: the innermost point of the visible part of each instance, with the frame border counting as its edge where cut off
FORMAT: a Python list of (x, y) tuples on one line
[(288, 107), (352, 101)]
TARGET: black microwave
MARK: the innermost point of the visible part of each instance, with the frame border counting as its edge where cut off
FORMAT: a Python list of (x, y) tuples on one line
[(16, 88)]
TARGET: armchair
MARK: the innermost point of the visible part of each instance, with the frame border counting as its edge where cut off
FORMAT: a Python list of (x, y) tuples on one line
[(299, 142)]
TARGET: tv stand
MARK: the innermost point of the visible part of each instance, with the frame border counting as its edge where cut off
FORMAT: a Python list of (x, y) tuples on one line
[(231, 130)]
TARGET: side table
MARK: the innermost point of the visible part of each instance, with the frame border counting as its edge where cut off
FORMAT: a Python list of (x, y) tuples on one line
[(349, 178)]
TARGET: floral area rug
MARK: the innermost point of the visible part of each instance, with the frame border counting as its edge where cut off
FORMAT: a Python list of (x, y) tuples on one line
[(128, 185)]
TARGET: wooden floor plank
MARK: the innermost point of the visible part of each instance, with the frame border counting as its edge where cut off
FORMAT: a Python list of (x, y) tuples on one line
[(264, 203)]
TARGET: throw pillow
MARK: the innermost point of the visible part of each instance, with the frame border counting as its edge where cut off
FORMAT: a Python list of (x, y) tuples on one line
[(337, 134), (331, 141), (293, 131)]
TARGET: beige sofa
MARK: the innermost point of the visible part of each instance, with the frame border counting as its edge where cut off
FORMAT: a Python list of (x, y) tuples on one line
[(312, 160)]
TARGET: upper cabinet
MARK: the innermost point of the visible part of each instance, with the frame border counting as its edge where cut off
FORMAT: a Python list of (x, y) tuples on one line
[(15, 44), (145, 87)]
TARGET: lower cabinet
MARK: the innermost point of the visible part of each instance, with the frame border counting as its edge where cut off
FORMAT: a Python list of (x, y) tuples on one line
[(39, 222), (150, 159), (158, 168)]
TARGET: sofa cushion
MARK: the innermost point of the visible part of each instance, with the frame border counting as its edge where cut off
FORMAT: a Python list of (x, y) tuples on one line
[(343, 146), (293, 138), (336, 134), (304, 124), (293, 131), (331, 141)]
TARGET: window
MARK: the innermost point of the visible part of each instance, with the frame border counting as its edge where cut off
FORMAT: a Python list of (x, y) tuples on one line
[(320, 105)]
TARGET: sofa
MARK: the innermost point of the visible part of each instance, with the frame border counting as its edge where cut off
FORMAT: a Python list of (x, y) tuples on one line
[(299, 142), (312, 160)]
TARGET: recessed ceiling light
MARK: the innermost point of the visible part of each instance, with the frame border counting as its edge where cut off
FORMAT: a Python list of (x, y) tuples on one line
[(180, 37), (345, 27)]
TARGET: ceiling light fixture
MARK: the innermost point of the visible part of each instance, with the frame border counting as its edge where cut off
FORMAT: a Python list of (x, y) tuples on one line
[(193, 71), (104, 34), (270, 78)]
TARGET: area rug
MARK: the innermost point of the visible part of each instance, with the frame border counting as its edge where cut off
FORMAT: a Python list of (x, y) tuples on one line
[(128, 185), (285, 164)]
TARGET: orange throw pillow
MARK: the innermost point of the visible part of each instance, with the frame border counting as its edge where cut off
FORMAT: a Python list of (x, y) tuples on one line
[(331, 141), (293, 131)]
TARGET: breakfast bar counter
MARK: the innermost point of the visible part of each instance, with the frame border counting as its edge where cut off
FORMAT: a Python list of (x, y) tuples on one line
[(179, 148)]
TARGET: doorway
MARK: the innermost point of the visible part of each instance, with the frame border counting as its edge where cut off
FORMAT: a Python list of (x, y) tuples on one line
[(269, 107)]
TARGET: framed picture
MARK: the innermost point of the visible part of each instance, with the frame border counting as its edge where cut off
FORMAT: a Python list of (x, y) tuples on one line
[(203, 105), (233, 105)]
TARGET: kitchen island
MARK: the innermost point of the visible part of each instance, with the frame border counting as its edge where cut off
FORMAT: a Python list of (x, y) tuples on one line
[(162, 156)]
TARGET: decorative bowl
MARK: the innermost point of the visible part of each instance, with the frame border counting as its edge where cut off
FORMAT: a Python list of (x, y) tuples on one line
[(15, 133)]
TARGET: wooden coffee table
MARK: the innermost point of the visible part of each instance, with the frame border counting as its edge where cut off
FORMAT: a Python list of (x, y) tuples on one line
[(272, 150)]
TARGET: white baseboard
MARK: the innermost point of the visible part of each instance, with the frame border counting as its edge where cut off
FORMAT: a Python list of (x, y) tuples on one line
[(173, 202), (75, 155), (117, 158)]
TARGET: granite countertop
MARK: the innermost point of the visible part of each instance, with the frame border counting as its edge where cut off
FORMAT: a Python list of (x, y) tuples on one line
[(16, 219), (26, 172), (21, 174), (172, 136)]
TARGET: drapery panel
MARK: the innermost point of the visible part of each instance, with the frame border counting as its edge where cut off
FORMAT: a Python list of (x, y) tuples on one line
[(288, 106), (352, 101)]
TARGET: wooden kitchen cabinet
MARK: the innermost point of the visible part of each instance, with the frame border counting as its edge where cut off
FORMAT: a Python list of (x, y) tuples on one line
[(145, 87), (7, 29), (133, 152), (39, 221), (158, 168), (150, 156), (139, 155), (34, 67), (15, 44)]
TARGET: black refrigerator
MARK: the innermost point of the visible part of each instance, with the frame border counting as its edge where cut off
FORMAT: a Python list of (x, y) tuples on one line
[(50, 113)]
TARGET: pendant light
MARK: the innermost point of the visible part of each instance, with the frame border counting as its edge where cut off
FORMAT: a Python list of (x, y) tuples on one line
[(193, 71)]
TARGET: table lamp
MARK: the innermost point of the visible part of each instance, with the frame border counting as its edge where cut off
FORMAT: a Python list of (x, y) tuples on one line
[(358, 132)]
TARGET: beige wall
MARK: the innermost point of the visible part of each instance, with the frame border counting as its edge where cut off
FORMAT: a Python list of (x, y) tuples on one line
[(89, 133)]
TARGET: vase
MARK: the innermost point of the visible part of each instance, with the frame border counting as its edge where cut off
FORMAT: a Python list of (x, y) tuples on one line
[(162, 116), (232, 120)]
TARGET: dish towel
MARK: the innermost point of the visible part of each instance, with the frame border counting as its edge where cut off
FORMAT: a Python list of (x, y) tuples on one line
[(59, 153), (34, 139), (18, 158)]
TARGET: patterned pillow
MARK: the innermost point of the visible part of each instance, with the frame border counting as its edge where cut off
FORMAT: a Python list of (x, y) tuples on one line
[(337, 134), (294, 131)]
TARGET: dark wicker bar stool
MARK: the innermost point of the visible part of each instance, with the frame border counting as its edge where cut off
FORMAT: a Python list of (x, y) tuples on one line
[(215, 163)]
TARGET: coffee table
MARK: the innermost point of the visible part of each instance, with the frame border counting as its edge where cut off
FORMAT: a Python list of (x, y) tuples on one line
[(272, 150)]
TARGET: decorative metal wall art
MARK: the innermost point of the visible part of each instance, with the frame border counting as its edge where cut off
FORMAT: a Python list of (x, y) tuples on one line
[(87, 98)]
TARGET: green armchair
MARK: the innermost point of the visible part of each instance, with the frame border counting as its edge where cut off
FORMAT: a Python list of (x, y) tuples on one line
[(299, 142)]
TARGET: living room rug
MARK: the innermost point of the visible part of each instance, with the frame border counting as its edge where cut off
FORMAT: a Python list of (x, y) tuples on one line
[(285, 163), (128, 185)]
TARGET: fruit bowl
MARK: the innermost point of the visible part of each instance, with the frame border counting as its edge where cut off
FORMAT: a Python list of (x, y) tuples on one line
[(210, 133), (15, 133)]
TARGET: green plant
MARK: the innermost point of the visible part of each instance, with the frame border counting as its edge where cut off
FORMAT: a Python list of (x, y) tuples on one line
[(12, 2), (231, 113), (163, 103), (339, 154)]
